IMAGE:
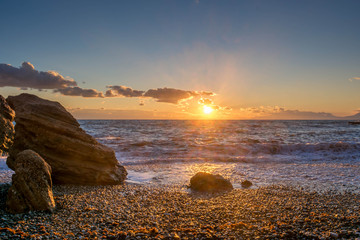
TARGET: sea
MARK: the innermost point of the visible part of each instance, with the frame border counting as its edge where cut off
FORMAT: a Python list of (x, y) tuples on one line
[(314, 155)]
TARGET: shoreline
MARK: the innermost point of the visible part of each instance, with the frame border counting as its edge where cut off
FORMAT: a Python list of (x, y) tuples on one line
[(133, 211), (5, 171), (178, 175)]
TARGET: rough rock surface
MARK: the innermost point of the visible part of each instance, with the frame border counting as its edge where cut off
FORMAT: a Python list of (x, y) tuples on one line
[(246, 184), (206, 182), (74, 156), (31, 188), (6, 127)]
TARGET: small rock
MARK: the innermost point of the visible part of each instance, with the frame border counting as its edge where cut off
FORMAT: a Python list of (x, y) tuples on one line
[(246, 184), (206, 182), (333, 235)]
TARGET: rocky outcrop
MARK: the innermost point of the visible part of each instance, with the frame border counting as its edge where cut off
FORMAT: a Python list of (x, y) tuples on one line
[(206, 182), (74, 156), (31, 188), (6, 127)]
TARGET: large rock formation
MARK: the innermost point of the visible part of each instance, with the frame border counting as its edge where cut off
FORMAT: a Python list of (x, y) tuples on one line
[(31, 188), (6, 127), (74, 156), (207, 182)]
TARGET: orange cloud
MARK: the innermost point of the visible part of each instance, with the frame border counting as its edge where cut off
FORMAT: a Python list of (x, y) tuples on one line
[(354, 78), (122, 91)]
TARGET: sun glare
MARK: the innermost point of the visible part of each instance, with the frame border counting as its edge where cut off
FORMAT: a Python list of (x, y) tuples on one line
[(207, 109)]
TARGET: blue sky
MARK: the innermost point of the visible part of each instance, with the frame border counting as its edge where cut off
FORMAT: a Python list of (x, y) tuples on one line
[(296, 55)]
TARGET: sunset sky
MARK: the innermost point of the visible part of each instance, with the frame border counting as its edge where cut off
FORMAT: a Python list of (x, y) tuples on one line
[(184, 59)]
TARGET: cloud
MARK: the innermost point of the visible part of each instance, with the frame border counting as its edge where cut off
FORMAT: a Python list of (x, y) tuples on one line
[(27, 77), (354, 78), (122, 91), (77, 91), (209, 102), (263, 110), (205, 101), (167, 95), (172, 95)]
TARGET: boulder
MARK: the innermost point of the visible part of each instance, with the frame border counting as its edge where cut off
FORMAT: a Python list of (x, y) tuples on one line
[(31, 188), (74, 156), (206, 182), (6, 127)]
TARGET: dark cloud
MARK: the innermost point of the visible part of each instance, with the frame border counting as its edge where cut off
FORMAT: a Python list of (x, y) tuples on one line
[(27, 77), (168, 95), (76, 91), (122, 91), (171, 95)]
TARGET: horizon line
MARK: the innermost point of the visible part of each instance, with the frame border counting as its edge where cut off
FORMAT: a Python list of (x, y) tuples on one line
[(218, 119)]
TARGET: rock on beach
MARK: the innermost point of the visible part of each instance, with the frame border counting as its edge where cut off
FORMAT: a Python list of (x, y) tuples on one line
[(31, 187), (246, 184), (206, 182), (74, 156)]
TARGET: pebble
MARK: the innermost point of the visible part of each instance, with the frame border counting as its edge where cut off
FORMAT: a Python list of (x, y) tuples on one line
[(138, 212)]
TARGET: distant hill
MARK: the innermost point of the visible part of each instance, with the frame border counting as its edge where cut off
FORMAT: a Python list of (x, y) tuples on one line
[(352, 117), (302, 115)]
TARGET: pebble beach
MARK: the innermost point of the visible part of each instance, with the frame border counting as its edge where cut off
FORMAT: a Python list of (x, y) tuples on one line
[(133, 211)]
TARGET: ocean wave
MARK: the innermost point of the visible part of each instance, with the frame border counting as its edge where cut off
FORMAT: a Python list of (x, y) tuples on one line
[(228, 141), (108, 138), (249, 154), (140, 144), (252, 147), (274, 148)]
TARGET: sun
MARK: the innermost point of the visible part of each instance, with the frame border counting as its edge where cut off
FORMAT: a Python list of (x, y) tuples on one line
[(207, 109)]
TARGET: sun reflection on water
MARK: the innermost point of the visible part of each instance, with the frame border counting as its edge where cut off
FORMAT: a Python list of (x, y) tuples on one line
[(205, 167)]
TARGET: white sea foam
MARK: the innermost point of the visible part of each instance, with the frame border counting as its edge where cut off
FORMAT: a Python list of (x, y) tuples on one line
[(3, 165), (5, 171)]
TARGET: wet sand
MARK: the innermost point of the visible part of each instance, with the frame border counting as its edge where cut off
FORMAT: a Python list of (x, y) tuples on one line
[(134, 211)]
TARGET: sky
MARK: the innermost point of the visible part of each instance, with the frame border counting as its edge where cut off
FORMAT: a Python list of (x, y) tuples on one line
[(185, 59)]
